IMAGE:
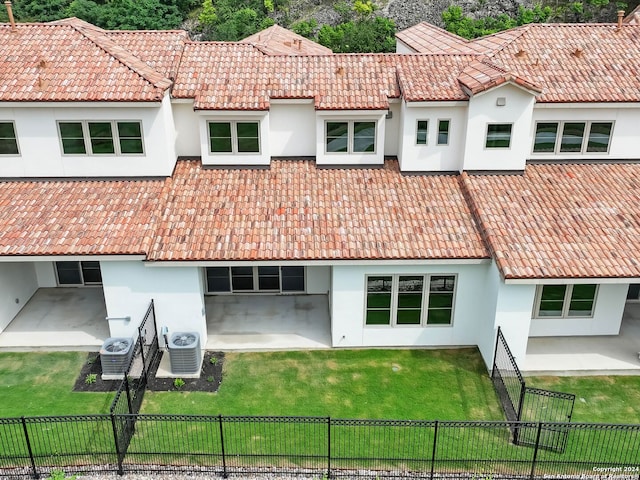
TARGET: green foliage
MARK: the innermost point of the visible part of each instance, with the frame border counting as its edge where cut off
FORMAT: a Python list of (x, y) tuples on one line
[(127, 14), (178, 383), (213, 360), (375, 34), (363, 8), (233, 20), (306, 28), (91, 378), (208, 16), (456, 22), (60, 475)]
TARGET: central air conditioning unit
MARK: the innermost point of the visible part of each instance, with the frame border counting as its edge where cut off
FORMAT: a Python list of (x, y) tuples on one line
[(184, 353), (115, 356)]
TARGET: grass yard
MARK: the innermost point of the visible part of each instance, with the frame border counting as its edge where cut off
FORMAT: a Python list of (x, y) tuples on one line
[(395, 384), (602, 399), (41, 384)]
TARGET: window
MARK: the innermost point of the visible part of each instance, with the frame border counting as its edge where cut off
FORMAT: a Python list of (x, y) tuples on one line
[(574, 137), (79, 273), (498, 135), (101, 138), (443, 132), (234, 137), (255, 279), (562, 301), (350, 137), (409, 300), (422, 130), (8, 140)]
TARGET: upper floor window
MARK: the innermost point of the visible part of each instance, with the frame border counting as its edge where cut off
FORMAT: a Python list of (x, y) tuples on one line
[(562, 301), (422, 131), (101, 138), (255, 279), (78, 273), (572, 137), (410, 300), (234, 137), (8, 140), (498, 135), (350, 137), (443, 132)]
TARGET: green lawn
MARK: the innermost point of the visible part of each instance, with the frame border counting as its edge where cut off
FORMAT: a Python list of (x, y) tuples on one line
[(602, 399), (395, 384), (41, 384)]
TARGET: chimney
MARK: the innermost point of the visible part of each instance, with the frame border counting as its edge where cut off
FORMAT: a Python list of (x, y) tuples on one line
[(620, 17), (7, 3)]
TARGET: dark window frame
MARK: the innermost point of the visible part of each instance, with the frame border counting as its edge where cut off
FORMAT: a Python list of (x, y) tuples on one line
[(89, 142)]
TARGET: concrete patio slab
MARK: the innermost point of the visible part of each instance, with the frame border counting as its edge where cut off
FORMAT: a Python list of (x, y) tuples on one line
[(268, 322), (598, 355), (59, 319)]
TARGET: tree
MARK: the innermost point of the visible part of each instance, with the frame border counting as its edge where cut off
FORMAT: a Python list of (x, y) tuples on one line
[(375, 34)]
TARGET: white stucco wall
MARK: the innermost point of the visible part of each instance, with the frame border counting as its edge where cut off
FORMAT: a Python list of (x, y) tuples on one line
[(243, 159), (348, 308), (482, 111), (606, 319), (187, 123), (41, 150), (487, 328), (392, 129), (432, 157), (624, 136), (293, 129), (46, 274), (18, 283), (177, 292), (318, 279), (402, 47), (375, 158)]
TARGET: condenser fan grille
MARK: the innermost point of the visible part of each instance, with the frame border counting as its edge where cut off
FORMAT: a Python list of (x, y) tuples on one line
[(117, 347), (184, 339)]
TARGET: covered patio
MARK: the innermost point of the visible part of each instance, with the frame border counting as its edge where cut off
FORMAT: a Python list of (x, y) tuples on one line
[(267, 322), (59, 319), (597, 355)]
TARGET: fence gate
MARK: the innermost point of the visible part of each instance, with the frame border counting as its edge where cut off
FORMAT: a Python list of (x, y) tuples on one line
[(527, 404)]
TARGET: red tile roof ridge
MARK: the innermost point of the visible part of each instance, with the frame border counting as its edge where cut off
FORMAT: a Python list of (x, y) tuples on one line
[(99, 37), (273, 41)]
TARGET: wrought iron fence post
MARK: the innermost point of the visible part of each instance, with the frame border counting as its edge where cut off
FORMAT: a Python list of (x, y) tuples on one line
[(328, 447), (495, 353), (535, 452), (435, 443), (224, 460), (28, 441), (144, 369), (117, 444), (126, 388), (523, 392)]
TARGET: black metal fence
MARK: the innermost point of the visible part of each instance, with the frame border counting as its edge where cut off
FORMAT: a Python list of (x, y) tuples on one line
[(526, 404), (238, 445)]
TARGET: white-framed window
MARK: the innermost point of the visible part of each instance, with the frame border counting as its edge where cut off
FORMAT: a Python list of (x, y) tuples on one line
[(350, 136), (409, 300), (234, 137), (8, 139), (565, 301), (422, 132), (572, 137), (498, 135), (101, 137), (443, 131), (78, 273), (247, 279)]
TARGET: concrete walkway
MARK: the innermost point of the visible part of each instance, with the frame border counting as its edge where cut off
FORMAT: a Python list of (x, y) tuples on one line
[(267, 322), (59, 319), (598, 355)]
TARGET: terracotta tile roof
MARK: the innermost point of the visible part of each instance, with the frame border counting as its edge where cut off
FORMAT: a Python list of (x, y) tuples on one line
[(431, 77), (561, 221), (572, 62), (276, 40), (77, 217), (72, 61), (427, 38), (294, 210), (232, 76), (480, 76), (160, 49)]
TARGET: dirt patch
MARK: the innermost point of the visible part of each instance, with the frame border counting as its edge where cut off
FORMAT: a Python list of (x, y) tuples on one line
[(89, 379)]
